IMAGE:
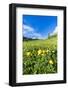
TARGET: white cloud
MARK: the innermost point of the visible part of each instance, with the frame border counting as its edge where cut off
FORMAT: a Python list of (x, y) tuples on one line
[(31, 32), (36, 35), (27, 28), (55, 31)]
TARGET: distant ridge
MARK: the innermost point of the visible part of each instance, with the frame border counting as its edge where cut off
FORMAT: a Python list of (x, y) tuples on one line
[(25, 38)]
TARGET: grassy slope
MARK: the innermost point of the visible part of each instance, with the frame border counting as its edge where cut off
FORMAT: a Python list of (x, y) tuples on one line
[(38, 64), (48, 43)]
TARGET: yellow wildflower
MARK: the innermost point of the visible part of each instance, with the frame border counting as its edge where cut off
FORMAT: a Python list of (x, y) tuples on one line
[(47, 50), (39, 51), (43, 51), (50, 62), (53, 51), (28, 53), (42, 54)]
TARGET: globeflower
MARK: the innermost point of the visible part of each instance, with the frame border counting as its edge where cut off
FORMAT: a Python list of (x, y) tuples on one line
[(39, 51), (53, 51), (50, 62), (42, 54), (47, 50), (28, 53), (43, 51)]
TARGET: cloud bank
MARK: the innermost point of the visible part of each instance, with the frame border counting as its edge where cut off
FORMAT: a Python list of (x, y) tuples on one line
[(31, 32), (55, 31)]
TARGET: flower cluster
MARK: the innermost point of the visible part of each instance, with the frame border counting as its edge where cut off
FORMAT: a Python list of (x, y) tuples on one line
[(39, 52), (40, 61)]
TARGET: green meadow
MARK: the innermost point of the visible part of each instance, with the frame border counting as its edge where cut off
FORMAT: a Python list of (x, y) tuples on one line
[(40, 56)]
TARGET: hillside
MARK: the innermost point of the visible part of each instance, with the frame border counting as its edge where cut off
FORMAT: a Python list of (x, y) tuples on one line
[(40, 56), (50, 42)]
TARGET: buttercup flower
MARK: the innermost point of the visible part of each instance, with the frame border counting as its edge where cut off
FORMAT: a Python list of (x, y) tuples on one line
[(43, 51), (42, 54), (47, 50), (28, 53), (50, 62), (39, 51), (53, 51)]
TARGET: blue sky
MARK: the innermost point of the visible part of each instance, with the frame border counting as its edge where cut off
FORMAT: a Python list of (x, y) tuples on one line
[(35, 26)]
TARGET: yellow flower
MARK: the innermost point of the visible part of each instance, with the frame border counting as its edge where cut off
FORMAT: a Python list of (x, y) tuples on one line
[(50, 62), (47, 51), (42, 54), (43, 51), (39, 51), (28, 53), (53, 51)]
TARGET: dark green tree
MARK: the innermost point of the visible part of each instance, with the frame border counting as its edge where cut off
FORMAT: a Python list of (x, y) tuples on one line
[(48, 35)]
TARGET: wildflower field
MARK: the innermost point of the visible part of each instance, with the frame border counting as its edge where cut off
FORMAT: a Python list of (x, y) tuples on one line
[(40, 56)]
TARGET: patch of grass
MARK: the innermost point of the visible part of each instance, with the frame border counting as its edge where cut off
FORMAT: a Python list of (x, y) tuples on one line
[(40, 56)]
